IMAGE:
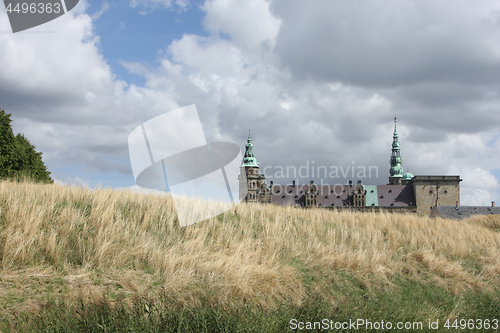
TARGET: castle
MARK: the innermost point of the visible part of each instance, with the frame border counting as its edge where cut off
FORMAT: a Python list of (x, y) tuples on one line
[(404, 193)]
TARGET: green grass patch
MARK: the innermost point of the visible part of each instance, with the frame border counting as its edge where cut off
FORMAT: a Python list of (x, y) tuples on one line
[(406, 301)]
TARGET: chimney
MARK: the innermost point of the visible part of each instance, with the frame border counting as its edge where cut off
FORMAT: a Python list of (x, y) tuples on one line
[(312, 182), (293, 183), (350, 183), (271, 184), (493, 204)]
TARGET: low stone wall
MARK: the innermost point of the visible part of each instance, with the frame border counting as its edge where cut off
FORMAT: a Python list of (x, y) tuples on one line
[(375, 209)]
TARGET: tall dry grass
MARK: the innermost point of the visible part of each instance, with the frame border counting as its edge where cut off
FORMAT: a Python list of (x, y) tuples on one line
[(96, 241)]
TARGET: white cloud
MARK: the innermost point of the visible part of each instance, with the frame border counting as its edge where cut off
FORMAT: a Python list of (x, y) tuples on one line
[(152, 4), (104, 8), (248, 23)]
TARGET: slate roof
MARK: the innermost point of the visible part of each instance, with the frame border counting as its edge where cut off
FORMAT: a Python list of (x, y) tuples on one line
[(338, 195), (395, 195), (462, 212)]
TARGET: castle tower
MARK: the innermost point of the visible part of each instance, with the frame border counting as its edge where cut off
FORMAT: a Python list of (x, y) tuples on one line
[(396, 161), (359, 195), (312, 195), (255, 181), (433, 191)]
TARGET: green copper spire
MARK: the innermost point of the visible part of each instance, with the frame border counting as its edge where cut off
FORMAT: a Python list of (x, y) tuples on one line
[(396, 160), (249, 159)]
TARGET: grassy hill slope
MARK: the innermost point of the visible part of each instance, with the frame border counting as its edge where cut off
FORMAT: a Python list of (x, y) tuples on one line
[(80, 260)]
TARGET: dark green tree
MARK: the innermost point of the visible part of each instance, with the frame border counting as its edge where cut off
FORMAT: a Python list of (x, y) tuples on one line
[(29, 161), (7, 146), (18, 157)]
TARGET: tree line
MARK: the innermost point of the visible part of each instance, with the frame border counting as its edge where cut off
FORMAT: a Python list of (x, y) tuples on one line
[(18, 157)]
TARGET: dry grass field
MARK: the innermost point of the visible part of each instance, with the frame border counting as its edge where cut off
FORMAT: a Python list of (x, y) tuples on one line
[(68, 245)]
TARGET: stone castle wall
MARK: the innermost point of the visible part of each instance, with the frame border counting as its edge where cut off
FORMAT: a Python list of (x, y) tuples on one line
[(433, 191)]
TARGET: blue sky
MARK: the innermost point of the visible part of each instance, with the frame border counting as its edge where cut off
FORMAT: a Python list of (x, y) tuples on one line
[(128, 34), (316, 80)]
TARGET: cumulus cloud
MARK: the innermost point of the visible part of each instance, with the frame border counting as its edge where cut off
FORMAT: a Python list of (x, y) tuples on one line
[(380, 43), (248, 23)]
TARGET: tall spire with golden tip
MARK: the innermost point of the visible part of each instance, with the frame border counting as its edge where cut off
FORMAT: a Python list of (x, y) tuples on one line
[(396, 161)]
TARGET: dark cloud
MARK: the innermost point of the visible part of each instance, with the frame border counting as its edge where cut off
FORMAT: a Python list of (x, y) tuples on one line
[(388, 44)]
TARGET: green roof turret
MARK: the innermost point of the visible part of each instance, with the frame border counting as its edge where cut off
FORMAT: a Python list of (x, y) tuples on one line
[(249, 159), (407, 176)]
